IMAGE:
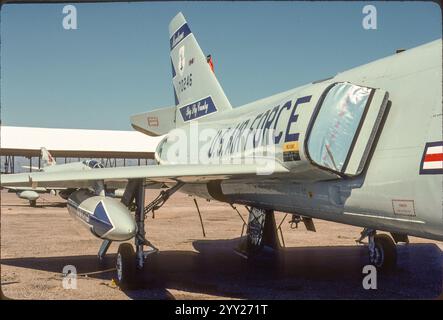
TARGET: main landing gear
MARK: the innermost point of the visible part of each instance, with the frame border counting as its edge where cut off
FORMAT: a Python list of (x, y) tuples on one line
[(261, 234), (130, 262), (382, 249)]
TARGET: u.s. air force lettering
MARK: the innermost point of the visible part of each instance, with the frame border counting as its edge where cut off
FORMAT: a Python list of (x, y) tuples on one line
[(255, 131)]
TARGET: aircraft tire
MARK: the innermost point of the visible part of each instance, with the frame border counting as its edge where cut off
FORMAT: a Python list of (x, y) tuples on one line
[(125, 266), (385, 257), (33, 203)]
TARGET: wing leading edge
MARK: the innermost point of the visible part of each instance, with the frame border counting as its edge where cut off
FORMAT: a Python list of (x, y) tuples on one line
[(192, 173)]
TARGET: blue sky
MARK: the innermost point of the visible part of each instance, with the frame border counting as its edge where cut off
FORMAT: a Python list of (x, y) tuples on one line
[(117, 62)]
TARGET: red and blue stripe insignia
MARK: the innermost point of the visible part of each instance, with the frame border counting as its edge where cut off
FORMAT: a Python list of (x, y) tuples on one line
[(432, 159)]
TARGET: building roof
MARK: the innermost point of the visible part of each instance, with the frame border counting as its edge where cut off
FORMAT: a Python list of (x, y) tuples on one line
[(27, 141)]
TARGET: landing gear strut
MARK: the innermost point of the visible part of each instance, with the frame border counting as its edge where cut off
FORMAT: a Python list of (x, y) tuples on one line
[(103, 249), (382, 249), (130, 261)]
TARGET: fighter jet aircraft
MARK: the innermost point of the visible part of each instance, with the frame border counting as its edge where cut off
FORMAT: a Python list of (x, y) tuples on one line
[(49, 165), (363, 148)]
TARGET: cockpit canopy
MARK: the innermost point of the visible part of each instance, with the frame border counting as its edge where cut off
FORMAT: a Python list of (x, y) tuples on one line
[(93, 164), (344, 126)]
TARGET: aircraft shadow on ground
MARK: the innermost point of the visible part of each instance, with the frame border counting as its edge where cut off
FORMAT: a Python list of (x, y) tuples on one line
[(296, 273)]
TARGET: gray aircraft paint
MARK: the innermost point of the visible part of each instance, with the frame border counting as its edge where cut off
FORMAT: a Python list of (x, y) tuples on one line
[(414, 118), (392, 176), (391, 194), (30, 195), (49, 165), (106, 217)]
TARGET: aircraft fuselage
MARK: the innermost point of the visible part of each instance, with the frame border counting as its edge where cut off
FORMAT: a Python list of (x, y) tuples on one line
[(389, 185)]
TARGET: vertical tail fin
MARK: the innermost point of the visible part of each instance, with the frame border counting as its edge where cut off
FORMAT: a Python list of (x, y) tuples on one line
[(47, 159), (196, 89)]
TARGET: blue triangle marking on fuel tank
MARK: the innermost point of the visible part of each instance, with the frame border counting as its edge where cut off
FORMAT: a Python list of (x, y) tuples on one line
[(100, 220), (100, 213)]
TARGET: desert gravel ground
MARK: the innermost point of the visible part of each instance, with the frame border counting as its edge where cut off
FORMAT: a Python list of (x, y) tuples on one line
[(36, 243)]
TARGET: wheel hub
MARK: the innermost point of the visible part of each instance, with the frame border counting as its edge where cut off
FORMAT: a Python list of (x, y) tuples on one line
[(377, 256)]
